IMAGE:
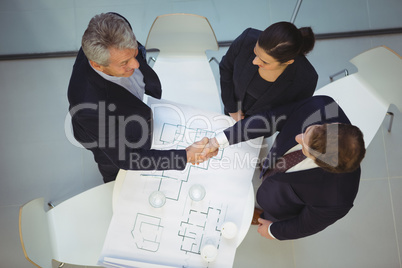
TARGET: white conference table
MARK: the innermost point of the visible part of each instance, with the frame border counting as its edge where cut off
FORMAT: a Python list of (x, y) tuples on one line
[(247, 214), (204, 87)]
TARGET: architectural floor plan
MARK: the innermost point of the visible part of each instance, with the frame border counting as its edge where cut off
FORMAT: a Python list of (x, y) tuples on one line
[(175, 234)]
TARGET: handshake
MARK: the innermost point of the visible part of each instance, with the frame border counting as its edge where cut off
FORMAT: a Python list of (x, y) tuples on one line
[(202, 150)]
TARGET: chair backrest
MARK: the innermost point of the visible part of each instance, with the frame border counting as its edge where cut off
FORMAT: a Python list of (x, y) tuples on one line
[(181, 33), (381, 70), (72, 232), (365, 96), (34, 234), (182, 65)]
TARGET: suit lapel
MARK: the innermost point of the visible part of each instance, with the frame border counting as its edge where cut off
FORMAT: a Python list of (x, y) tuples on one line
[(151, 79), (269, 95), (308, 176), (277, 88), (247, 75)]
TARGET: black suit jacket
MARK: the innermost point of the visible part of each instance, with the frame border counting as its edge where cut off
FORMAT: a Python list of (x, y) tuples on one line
[(297, 82), (304, 202), (114, 124)]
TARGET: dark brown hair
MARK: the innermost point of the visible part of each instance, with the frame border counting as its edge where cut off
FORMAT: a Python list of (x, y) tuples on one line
[(283, 41), (337, 148)]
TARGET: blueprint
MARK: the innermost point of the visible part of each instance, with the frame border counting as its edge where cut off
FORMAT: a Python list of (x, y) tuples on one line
[(175, 234)]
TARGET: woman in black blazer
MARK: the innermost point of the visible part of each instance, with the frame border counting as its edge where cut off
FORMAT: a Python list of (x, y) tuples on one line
[(265, 69)]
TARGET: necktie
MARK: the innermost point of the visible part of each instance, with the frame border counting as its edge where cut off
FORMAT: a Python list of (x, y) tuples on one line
[(285, 162)]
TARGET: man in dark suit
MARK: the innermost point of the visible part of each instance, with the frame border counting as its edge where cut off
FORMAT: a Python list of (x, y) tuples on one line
[(109, 79), (304, 197)]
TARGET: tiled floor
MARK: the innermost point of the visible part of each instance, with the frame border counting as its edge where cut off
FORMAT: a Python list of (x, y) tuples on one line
[(37, 160)]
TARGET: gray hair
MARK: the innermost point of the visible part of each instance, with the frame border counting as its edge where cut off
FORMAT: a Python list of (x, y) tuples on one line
[(104, 31)]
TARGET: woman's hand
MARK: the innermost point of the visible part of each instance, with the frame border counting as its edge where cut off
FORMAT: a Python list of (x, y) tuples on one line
[(237, 116)]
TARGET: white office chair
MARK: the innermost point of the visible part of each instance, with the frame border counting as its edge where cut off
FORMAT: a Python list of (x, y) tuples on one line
[(366, 95), (182, 64), (72, 232)]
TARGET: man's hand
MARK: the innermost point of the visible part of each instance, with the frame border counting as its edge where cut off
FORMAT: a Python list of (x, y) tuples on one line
[(263, 228), (194, 151), (237, 116), (211, 149)]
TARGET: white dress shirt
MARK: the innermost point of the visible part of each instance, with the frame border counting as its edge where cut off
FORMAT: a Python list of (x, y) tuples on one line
[(134, 84)]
